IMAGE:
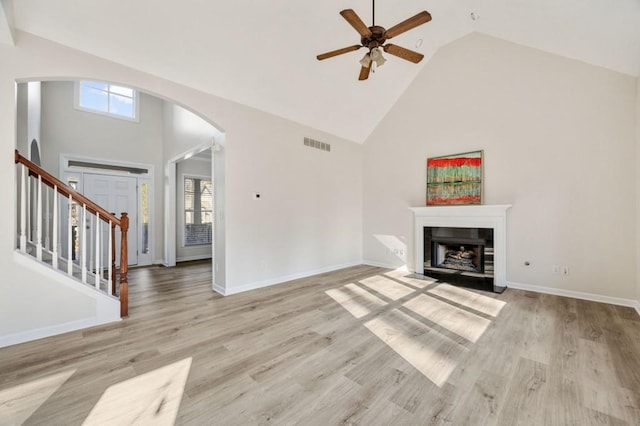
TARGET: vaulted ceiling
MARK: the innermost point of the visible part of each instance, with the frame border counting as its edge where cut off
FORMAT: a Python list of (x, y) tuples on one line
[(262, 53)]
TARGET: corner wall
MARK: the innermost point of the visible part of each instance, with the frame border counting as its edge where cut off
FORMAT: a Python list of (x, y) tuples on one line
[(559, 144)]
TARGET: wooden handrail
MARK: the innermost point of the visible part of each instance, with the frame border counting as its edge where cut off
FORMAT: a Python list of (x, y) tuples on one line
[(64, 189)]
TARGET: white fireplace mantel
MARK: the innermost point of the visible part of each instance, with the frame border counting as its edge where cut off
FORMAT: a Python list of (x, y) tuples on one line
[(469, 216)]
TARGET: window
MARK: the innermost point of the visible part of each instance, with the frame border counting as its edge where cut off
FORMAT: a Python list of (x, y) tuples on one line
[(198, 211), (107, 99)]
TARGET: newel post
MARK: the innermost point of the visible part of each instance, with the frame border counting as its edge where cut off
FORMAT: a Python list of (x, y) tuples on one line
[(124, 267)]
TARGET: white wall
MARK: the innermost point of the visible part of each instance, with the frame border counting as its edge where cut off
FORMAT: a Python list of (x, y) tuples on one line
[(191, 167), (638, 192), (22, 100), (310, 218), (558, 141), (68, 130)]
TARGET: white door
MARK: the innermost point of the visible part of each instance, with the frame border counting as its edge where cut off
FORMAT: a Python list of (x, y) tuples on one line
[(116, 194)]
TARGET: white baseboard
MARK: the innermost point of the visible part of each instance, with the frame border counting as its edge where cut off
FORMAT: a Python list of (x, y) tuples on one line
[(280, 280), (219, 289), (196, 257), (577, 295), (40, 333), (380, 264)]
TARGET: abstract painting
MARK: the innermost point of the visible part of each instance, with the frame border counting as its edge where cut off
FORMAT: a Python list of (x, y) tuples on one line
[(455, 179)]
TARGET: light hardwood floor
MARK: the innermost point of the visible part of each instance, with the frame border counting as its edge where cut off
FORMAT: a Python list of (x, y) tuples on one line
[(363, 345)]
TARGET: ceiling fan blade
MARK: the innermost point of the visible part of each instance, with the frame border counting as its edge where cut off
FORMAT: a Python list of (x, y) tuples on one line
[(364, 73), (419, 19), (356, 22), (401, 52), (338, 52)]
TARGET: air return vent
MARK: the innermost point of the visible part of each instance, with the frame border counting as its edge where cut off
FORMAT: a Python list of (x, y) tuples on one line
[(312, 143)]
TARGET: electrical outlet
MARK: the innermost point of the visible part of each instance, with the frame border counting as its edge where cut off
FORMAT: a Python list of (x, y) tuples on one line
[(565, 270), (555, 269)]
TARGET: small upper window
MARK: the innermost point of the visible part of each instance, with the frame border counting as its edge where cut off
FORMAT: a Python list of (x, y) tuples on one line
[(108, 99)]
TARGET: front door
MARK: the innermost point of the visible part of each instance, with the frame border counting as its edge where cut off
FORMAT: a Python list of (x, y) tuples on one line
[(117, 194)]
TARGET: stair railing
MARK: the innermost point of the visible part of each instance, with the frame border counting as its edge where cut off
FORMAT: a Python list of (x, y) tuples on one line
[(83, 258)]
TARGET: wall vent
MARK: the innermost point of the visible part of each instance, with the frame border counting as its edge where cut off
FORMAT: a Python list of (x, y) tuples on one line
[(312, 143)]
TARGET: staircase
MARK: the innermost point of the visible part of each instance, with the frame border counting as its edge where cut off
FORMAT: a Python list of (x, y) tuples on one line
[(60, 228)]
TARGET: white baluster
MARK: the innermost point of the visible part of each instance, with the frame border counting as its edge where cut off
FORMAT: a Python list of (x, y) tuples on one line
[(83, 246), (29, 212), (47, 223), (54, 236), (39, 221), (98, 271), (23, 210), (109, 262), (69, 237)]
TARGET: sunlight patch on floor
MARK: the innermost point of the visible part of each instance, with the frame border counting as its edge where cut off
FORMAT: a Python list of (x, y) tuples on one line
[(18, 403), (152, 398), (429, 326), (431, 353), (402, 274), (458, 321), (475, 301), (356, 300), (388, 288)]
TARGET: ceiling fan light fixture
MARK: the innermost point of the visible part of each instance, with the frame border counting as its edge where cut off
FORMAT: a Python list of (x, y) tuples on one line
[(376, 56), (366, 60)]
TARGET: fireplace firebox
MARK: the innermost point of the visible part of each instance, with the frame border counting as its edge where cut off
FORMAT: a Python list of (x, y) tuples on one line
[(463, 256)]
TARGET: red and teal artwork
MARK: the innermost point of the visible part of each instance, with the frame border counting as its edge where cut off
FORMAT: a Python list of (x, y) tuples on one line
[(455, 179)]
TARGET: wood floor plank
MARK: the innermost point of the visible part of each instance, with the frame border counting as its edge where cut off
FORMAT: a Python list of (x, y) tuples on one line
[(362, 346)]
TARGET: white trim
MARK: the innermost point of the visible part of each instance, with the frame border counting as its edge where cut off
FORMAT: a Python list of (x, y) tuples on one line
[(384, 265), (637, 306), (65, 158), (194, 257), (219, 289), (577, 295), (280, 280), (41, 333)]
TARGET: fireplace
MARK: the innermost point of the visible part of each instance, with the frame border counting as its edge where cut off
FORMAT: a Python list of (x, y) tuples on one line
[(458, 255), (463, 255), (462, 245)]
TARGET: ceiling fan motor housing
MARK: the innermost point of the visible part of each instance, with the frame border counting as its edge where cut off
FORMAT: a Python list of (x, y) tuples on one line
[(376, 39)]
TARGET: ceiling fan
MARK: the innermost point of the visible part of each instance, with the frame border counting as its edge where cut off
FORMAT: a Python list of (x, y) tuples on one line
[(375, 37)]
